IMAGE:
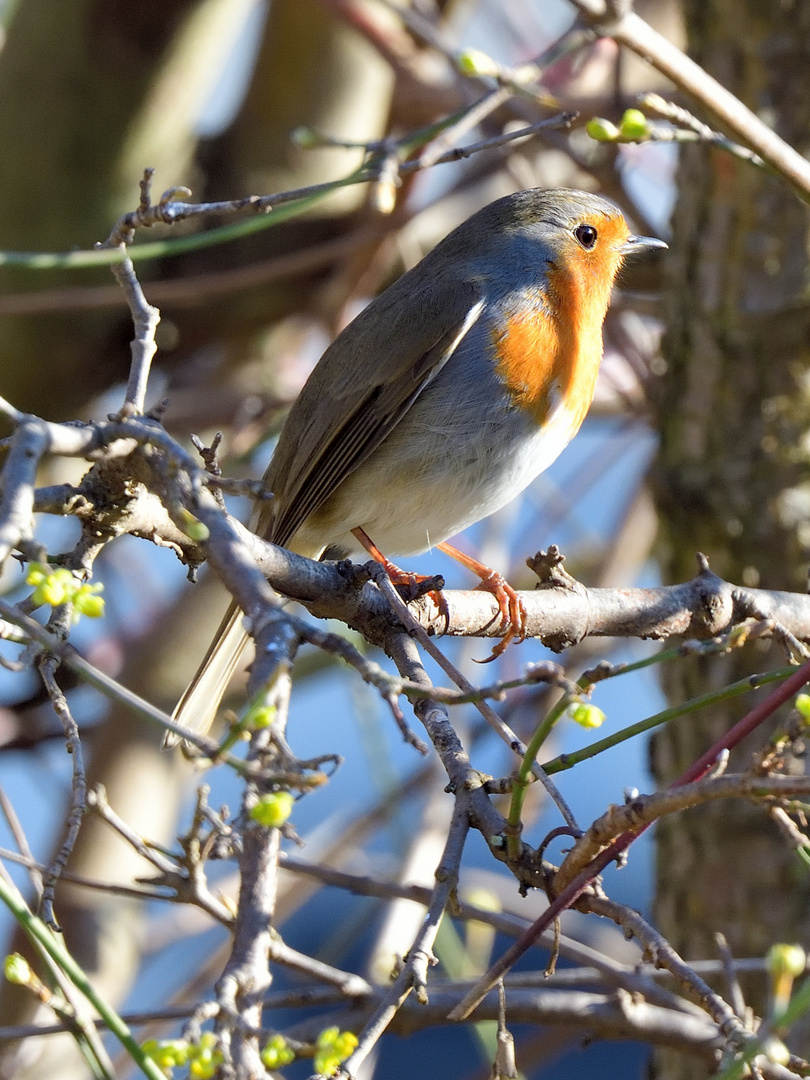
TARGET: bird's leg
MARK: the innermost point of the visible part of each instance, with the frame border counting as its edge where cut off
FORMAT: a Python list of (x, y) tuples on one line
[(511, 607), (410, 586)]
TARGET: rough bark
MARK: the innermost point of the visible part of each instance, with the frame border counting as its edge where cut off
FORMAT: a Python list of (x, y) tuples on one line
[(734, 412)]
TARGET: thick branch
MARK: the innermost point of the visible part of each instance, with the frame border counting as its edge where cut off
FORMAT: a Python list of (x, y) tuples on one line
[(560, 616)]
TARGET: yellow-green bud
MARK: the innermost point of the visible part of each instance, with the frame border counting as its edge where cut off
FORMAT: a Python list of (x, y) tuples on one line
[(776, 1051), (88, 602), (51, 591), (633, 125), (786, 960), (37, 572), (784, 963), (326, 1062), (259, 717), (206, 1065), (475, 62), (192, 526), (17, 969), (204, 1057), (602, 130), (585, 714), (345, 1043), (276, 1052), (55, 586), (802, 706), (333, 1046), (273, 810), (166, 1053)]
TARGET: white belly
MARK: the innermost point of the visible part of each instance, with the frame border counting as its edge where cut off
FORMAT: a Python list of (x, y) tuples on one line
[(454, 458), (408, 506)]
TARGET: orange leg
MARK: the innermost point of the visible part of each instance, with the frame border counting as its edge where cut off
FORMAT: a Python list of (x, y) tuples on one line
[(410, 585), (511, 607)]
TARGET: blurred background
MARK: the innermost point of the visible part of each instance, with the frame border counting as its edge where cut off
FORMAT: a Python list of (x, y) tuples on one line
[(696, 442)]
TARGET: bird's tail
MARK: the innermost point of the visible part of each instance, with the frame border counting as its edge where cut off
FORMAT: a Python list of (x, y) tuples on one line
[(198, 705)]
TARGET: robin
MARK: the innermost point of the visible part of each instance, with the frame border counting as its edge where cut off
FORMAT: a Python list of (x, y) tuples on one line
[(443, 399)]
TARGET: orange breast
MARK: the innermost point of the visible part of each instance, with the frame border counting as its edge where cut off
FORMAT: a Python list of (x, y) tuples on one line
[(550, 345), (550, 353)]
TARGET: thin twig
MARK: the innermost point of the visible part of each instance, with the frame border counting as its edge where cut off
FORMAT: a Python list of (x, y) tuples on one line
[(246, 977), (47, 667), (28, 444), (732, 981), (68, 655), (414, 974), (97, 800), (21, 840), (346, 981), (627, 28), (499, 726), (576, 887), (635, 816), (694, 129), (143, 346), (145, 318), (663, 955)]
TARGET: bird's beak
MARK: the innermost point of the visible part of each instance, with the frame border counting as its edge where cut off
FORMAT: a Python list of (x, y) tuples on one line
[(635, 244)]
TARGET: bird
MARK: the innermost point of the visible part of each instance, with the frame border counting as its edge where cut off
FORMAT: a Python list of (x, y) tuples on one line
[(443, 399)]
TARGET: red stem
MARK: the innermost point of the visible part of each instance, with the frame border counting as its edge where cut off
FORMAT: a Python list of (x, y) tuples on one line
[(575, 888)]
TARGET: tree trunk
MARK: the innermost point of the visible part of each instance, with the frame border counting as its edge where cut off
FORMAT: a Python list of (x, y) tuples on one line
[(91, 93), (733, 412)]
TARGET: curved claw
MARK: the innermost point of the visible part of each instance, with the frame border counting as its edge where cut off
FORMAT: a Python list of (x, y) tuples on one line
[(511, 609)]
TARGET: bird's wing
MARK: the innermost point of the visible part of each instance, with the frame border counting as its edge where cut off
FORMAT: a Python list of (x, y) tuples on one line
[(369, 377)]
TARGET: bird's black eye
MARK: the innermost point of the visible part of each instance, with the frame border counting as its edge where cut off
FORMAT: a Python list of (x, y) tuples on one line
[(586, 234)]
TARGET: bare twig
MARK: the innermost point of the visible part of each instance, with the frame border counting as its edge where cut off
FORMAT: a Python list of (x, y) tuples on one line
[(28, 444), (499, 726), (732, 981), (21, 840), (690, 128), (47, 667), (658, 950), (145, 318), (582, 882), (246, 977), (68, 655), (638, 814), (414, 973), (347, 982)]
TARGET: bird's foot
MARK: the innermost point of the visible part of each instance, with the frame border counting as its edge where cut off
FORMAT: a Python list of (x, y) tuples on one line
[(410, 586), (511, 607)]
